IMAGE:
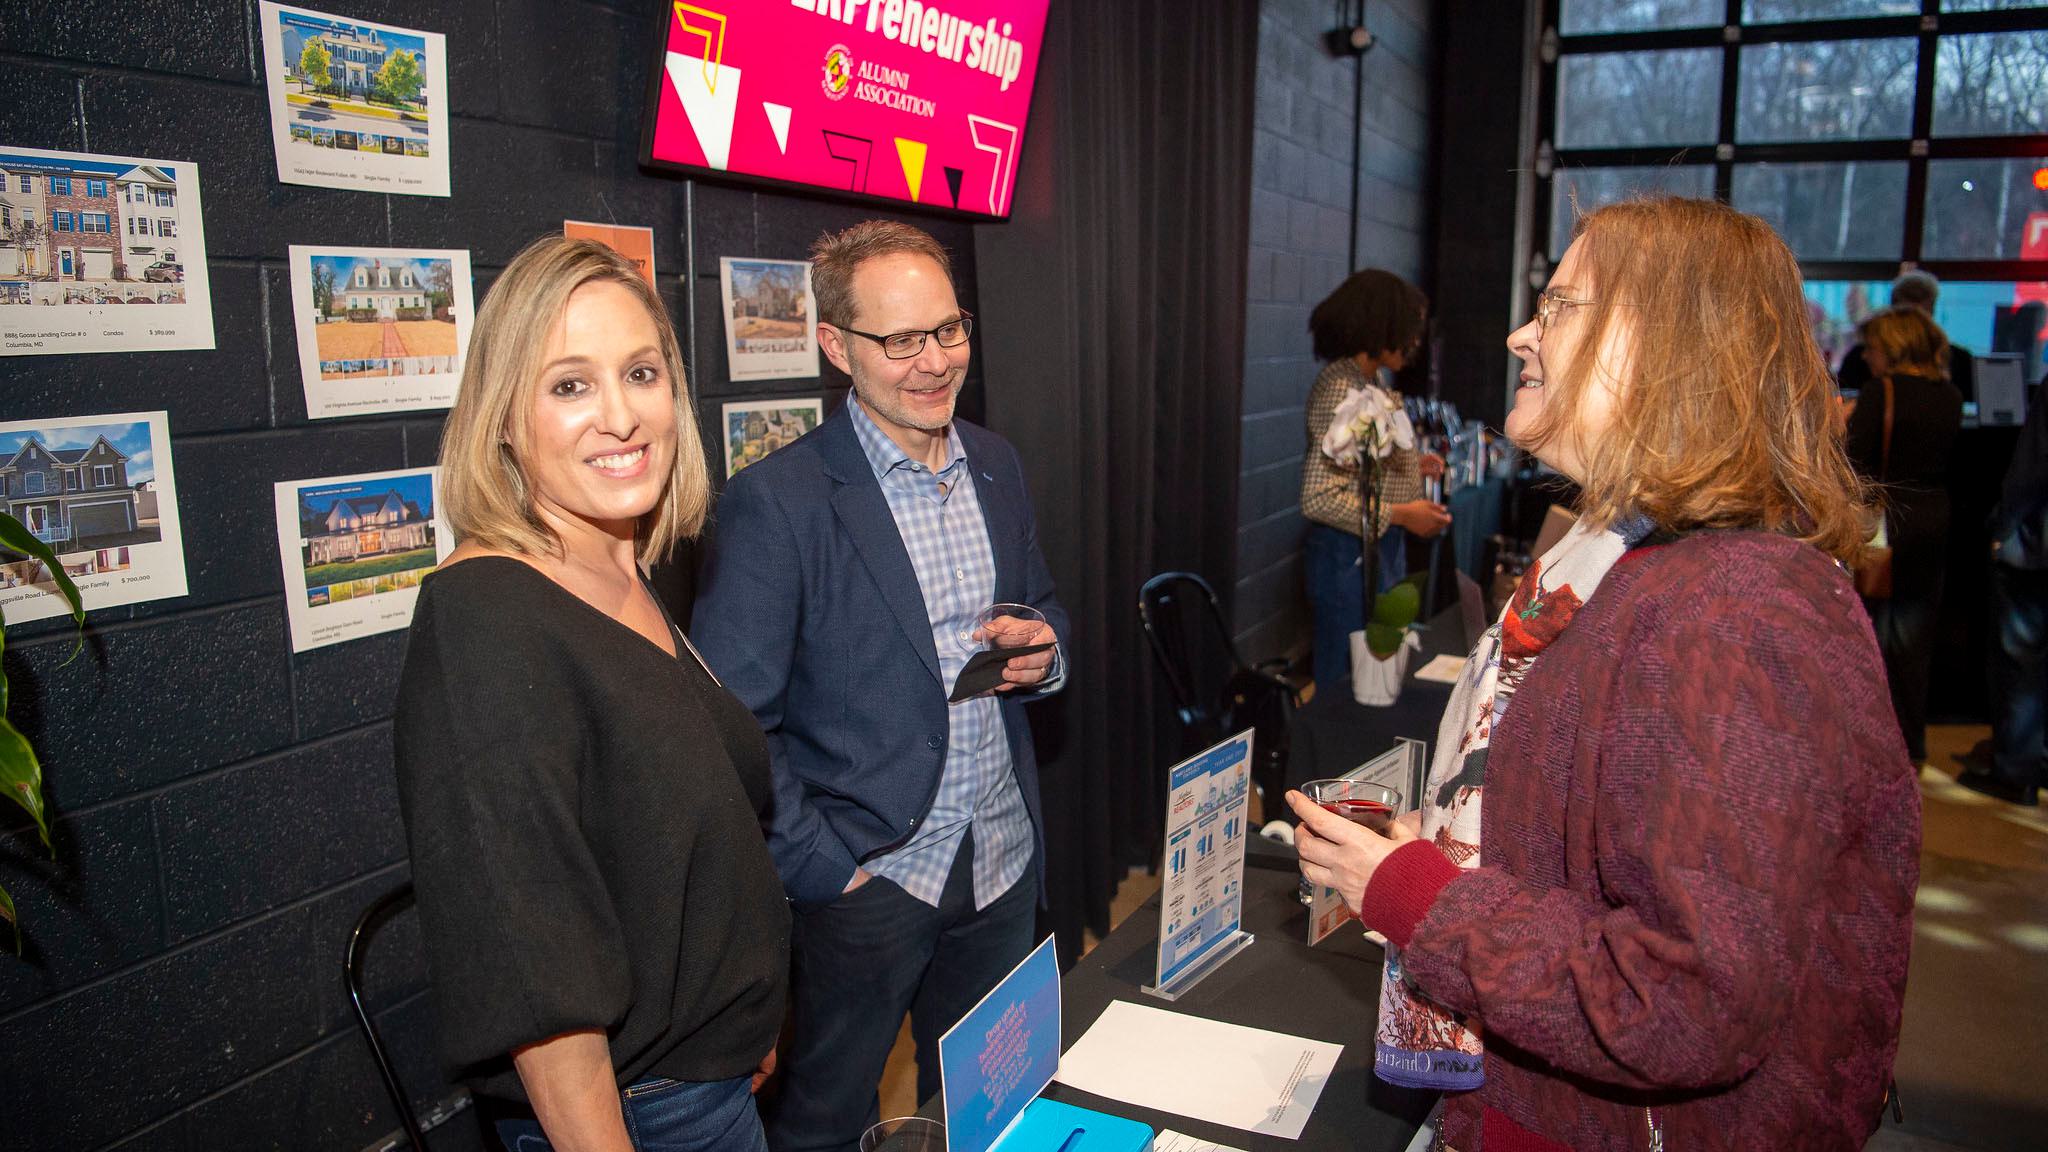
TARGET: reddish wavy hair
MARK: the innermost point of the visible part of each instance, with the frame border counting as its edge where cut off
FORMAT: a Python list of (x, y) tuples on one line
[(1726, 416)]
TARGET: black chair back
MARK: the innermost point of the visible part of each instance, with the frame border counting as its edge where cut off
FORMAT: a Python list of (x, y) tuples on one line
[(1183, 621), (1216, 694), (373, 917)]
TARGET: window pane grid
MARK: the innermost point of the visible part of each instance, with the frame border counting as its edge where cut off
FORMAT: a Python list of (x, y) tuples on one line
[(1851, 132)]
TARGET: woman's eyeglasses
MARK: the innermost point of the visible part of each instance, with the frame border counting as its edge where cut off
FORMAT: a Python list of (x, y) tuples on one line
[(1549, 304)]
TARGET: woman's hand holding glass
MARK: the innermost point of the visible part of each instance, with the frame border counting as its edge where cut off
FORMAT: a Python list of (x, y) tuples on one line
[(1336, 853)]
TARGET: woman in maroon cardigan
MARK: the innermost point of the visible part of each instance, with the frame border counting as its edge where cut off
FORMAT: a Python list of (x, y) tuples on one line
[(1681, 917)]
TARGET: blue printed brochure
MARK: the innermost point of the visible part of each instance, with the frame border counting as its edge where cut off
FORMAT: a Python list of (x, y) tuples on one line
[(1202, 898), (1002, 1054)]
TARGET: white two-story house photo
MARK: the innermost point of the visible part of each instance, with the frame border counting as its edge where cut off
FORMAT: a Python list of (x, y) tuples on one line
[(358, 526)]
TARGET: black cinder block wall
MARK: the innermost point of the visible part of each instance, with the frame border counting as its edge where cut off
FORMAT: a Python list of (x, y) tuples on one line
[(1310, 125), (224, 808)]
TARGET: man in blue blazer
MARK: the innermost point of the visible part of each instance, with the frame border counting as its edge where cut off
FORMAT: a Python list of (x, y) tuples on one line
[(841, 600)]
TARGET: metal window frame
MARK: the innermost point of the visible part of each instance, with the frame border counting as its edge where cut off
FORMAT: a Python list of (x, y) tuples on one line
[(1731, 36)]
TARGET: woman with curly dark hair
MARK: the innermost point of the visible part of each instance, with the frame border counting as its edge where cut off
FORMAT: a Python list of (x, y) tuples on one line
[(1364, 331)]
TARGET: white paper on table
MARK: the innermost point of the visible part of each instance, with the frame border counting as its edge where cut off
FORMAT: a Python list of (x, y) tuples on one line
[(1249, 1078), (1442, 670), (1171, 1141)]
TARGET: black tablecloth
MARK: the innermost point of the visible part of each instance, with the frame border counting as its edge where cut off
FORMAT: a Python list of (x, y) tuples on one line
[(1332, 734), (1329, 993)]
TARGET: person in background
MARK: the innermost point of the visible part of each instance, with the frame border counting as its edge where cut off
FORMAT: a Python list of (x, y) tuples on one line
[(1666, 862), (1915, 289), (1365, 330), (606, 936), (2018, 766), (1908, 461), (840, 602)]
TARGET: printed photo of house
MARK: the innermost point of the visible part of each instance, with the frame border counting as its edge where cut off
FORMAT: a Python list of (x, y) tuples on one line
[(88, 232), (360, 540), (753, 429), (80, 489), (770, 300), (365, 84), (384, 315), (770, 317)]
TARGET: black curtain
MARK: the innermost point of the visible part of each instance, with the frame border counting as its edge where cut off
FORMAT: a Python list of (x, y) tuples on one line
[(1113, 306)]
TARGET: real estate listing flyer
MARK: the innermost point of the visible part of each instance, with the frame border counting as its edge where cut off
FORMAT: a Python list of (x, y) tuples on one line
[(99, 490), (355, 104), (754, 428), (100, 254), (380, 329), (355, 549), (771, 318)]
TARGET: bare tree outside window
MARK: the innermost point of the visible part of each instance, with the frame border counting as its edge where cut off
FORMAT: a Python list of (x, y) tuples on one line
[(1978, 209), (1580, 190), (1579, 17), (1990, 5), (1991, 84), (1854, 211), (1789, 11), (1624, 99), (1838, 90)]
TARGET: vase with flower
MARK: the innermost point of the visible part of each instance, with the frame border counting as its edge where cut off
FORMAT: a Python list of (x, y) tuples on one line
[(1367, 428)]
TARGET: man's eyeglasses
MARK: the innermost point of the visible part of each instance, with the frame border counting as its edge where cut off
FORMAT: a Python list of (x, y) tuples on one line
[(1549, 304), (904, 345)]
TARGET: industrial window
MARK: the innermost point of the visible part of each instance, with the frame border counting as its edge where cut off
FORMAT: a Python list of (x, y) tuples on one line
[(1873, 134)]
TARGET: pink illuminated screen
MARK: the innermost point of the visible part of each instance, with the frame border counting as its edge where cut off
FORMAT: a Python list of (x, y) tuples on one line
[(923, 103)]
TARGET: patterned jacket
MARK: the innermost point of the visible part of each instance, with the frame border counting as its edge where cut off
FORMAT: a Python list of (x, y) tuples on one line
[(1329, 491)]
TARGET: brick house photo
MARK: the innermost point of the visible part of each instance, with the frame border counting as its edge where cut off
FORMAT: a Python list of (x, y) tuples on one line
[(88, 232)]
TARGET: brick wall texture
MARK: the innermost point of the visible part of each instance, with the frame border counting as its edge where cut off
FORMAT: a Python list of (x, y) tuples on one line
[(226, 808), (1304, 128)]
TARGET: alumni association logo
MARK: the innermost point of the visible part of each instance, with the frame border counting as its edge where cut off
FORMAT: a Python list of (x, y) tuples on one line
[(838, 72)]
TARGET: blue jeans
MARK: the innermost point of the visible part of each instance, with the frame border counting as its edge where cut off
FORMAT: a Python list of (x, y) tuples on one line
[(1336, 594), (670, 1116), (2019, 675), (860, 963)]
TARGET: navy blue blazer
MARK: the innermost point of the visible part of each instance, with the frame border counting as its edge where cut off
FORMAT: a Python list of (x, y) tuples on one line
[(810, 612)]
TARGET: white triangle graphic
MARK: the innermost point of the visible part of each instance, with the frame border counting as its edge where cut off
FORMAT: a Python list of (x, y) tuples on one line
[(778, 119), (711, 107)]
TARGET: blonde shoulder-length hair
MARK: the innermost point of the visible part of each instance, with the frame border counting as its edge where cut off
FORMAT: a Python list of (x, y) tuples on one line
[(485, 487), (1725, 416)]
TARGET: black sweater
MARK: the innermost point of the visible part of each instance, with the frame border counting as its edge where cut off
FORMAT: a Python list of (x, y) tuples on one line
[(583, 815), (1926, 416)]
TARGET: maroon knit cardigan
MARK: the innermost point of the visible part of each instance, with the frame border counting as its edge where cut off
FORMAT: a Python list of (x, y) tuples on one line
[(1701, 842)]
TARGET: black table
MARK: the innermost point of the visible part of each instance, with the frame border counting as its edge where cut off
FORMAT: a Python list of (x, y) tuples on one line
[(1332, 733), (1329, 993)]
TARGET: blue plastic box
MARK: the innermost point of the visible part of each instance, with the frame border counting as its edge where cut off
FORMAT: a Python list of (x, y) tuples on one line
[(1048, 1126)]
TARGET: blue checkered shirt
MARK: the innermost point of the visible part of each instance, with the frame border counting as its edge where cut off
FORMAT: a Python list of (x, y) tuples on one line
[(939, 517)]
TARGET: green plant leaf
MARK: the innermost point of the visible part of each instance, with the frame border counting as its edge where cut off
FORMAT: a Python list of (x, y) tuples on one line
[(7, 913), (15, 536), (1383, 640), (1397, 606), (21, 777)]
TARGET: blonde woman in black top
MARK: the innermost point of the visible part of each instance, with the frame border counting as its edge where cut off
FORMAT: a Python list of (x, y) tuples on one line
[(605, 933)]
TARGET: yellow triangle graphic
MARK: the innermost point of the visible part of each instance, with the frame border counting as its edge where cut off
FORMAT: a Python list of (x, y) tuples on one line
[(911, 152)]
